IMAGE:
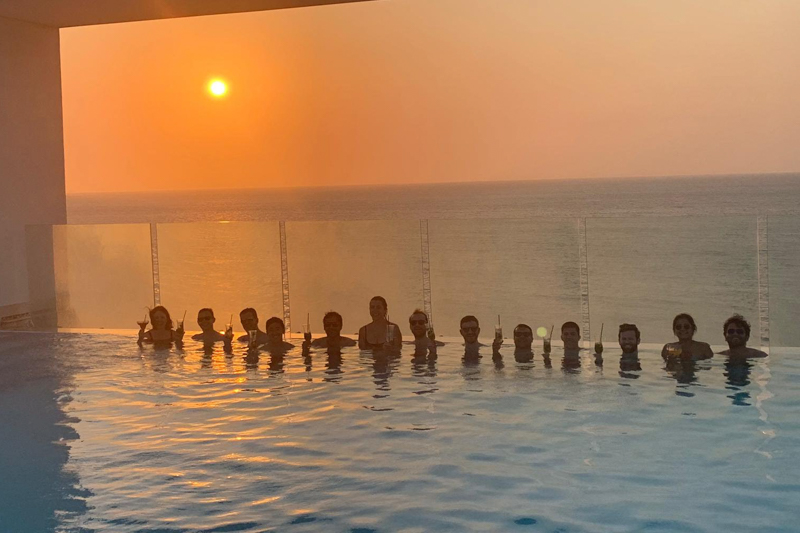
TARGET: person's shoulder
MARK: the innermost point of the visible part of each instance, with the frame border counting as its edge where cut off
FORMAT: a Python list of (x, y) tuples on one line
[(346, 341), (754, 352), (320, 343), (243, 338), (197, 337)]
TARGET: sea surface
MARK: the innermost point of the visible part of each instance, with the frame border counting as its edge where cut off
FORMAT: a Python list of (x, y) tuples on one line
[(596, 252), (99, 435), (770, 194)]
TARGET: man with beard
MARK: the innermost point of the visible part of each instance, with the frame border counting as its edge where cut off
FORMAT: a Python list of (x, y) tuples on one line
[(737, 332), (629, 338)]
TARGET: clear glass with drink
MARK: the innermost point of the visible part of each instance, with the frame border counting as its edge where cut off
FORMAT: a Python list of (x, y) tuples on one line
[(389, 333), (143, 323), (307, 332), (252, 337)]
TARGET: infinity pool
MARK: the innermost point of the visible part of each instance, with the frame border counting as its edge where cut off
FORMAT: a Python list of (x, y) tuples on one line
[(98, 435)]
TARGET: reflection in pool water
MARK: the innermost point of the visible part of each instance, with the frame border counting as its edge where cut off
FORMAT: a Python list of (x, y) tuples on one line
[(198, 440)]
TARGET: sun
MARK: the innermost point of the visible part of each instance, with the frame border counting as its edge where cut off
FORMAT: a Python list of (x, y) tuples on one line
[(217, 88)]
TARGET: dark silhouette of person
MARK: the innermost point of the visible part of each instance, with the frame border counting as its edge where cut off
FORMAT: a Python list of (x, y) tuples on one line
[(275, 331), (424, 342), (737, 332), (332, 324), (380, 334), (249, 319), (161, 334), (470, 329), (629, 338), (684, 328), (208, 335)]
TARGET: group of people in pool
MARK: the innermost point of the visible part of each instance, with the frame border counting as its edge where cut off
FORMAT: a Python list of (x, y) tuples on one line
[(382, 335)]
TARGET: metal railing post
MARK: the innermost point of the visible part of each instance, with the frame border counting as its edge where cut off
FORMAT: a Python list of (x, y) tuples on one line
[(583, 254), (154, 259), (762, 267), (287, 315)]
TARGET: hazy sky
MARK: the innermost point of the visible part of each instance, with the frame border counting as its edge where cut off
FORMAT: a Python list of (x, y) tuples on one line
[(403, 91)]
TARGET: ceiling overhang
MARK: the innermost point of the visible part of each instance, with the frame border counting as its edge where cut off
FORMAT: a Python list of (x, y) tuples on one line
[(68, 13)]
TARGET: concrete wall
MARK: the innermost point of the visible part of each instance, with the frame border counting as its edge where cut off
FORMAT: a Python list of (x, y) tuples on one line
[(31, 147)]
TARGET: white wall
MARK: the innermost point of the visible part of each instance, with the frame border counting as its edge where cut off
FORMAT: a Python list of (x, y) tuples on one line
[(31, 145)]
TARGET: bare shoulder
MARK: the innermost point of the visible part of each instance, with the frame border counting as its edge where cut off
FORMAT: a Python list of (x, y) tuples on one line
[(752, 352), (347, 341)]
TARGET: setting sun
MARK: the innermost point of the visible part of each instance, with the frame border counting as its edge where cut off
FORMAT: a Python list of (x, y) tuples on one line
[(218, 88)]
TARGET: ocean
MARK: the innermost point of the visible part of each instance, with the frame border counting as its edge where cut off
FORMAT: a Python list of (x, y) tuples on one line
[(598, 252)]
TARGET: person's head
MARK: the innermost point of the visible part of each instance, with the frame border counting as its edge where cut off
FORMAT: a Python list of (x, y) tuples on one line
[(683, 326), (249, 319), (570, 335), (737, 331), (523, 337), (159, 317), (629, 337), (332, 322), (205, 319), (378, 307), (275, 329), (470, 329), (418, 321)]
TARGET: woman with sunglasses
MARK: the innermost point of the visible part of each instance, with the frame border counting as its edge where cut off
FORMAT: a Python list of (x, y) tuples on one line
[(684, 328)]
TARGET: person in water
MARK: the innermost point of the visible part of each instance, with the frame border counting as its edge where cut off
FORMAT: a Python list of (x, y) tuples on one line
[(332, 323), (162, 331), (249, 319), (424, 340), (379, 334), (523, 343), (629, 338), (275, 331), (206, 320), (684, 328), (470, 330), (737, 332), (571, 337)]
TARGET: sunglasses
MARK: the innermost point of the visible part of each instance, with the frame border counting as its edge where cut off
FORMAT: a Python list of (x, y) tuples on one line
[(524, 333), (736, 331), (472, 328), (417, 322), (330, 324), (683, 326)]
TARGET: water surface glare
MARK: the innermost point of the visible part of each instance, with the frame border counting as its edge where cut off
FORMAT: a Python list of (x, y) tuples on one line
[(193, 440)]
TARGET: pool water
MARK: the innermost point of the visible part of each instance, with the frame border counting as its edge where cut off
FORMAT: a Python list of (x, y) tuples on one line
[(99, 435)]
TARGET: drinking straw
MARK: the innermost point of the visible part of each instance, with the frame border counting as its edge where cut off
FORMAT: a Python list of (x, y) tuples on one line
[(551, 331), (184, 317), (601, 331), (498, 320), (308, 321)]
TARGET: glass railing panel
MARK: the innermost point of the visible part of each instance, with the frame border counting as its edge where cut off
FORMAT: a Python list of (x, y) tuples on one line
[(525, 270), (226, 266), (784, 273), (103, 275), (341, 265), (646, 270)]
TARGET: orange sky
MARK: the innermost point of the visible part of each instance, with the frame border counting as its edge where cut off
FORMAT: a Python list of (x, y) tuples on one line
[(402, 91)]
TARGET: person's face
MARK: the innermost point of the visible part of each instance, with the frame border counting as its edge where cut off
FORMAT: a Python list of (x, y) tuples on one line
[(159, 320), (205, 320), (275, 332), (570, 337), (249, 321), (418, 324), (470, 331), (523, 337), (683, 329), (628, 341), (333, 328), (735, 335), (376, 309)]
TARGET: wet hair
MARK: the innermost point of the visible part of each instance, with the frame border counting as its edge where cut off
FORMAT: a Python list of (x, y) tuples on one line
[(419, 312), (275, 320), (570, 325), (381, 299), (163, 309), (524, 326), (208, 309), (688, 318), (469, 318), (248, 310), (332, 314), (740, 320), (629, 327)]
